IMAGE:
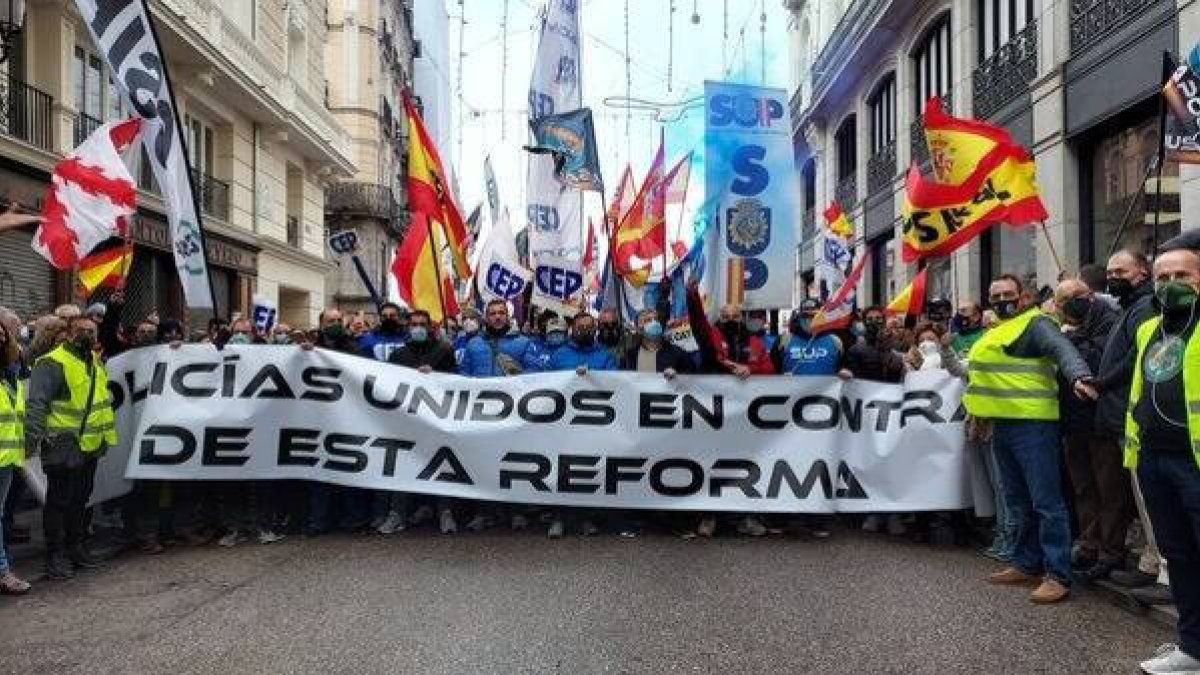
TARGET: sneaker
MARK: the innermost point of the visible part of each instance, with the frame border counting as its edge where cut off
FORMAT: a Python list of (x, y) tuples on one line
[(1011, 576), (707, 528), (58, 568), (11, 584), (1132, 578), (231, 539), (269, 536), (1096, 572), (479, 523), (83, 560), (588, 528), (378, 520), (1158, 594), (1170, 660), (895, 525), (422, 514), (392, 524), (556, 530), (519, 523), (751, 526), (872, 523), (446, 523), (1049, 591)]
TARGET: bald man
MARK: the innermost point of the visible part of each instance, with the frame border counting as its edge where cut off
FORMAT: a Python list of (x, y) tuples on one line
[(1103, 501)]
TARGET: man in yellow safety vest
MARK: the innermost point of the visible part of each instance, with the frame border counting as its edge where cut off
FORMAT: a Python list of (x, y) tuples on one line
[(1162, 442), (1012, 381), (70, 423), (12, 435)]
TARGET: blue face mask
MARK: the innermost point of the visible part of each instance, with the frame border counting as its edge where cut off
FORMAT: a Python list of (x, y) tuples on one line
[(556, 339), (239, 339), (653, 330), (418, 334)]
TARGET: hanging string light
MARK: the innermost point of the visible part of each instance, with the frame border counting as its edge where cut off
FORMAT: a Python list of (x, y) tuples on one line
[(725, 36), (628, 84), (462, 29), (695, 13), (670, 44), (762, 39), (504, 71)]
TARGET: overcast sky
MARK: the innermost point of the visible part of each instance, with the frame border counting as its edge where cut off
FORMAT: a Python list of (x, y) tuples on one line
[(494, 95)]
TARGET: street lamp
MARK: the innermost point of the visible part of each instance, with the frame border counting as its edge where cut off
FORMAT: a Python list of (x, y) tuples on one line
[(12, 17)]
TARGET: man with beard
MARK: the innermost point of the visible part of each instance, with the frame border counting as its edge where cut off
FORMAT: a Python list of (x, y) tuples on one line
[(391, 334), (611, 335), (967, 327)]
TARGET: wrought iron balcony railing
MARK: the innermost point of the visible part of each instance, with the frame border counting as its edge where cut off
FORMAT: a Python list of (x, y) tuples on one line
[(26, 113), (365, 200), (84, 126), (1091, 20), (881, 169), (213, 195), (847, 191), (1005, 75), (808, 225), (916, 130)]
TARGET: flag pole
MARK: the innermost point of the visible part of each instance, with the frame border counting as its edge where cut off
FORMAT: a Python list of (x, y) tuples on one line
[(1154, 161), (1162, 145), (1053, 251), (437, 266), (613, 278)]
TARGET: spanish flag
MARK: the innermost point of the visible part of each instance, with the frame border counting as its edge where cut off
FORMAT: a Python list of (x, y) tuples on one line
[(106, 267), (911, 300), (429, 190), (938, 218), (418, 273), (622, 201), (962, 151), (837, 222), (634, 245)]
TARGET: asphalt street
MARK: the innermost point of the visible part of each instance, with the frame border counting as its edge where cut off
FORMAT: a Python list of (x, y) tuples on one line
[(517, 603)]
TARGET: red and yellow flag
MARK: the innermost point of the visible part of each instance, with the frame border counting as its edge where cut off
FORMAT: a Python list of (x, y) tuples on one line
[(108, 268), (962, 151), (429, 190), (837, 222), (622, 201), (839, 309), (937, 218), (418, 273), (632, 248), (911, 300)]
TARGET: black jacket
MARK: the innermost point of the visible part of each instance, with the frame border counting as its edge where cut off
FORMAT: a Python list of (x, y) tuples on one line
[(1116, 363), (1089, 339), (879, 363), (668, 356), (438, 355)]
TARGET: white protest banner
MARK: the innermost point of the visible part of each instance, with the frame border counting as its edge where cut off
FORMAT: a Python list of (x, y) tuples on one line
[(627, 440), (750, 174), (124, 32)]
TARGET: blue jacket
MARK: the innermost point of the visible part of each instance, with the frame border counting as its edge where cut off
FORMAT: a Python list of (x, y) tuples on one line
[(570, 356), (481, 352), (379, 346), (540, 353)]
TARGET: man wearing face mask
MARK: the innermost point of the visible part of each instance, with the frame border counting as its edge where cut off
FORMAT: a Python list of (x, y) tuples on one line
[(757, 324), (967, 327), (653, 353), (543, 340), (611, 335), (391, 334), (1011, 381), (469, 324), (874, 358), (1103, 501), (70, 423), (803, 353), (1162, 442), (498, 350), (1129, 282), (730, 346)]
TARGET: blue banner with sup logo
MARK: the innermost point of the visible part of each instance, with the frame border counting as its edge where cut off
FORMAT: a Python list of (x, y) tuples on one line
[(750, 185)]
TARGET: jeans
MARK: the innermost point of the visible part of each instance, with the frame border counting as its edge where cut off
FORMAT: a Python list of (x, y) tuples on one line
[(1030, 472), (1005, 540), (352, 507), (1171, 487), (6, 479)]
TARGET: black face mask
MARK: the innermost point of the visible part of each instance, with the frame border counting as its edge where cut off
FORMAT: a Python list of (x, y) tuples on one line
[(1005, 309), (873, 331), (610, 335), (1119, 288), (84, 343), (390, 326), (1077, 308), (584, 338), (962, 324)]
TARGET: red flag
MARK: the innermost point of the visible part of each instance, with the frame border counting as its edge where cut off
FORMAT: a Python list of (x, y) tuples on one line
[(911, 300), (91, 196), (429, 190), (836, 313), (418, 273)]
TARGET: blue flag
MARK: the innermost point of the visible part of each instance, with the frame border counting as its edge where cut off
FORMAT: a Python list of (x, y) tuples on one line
[(571, 139)]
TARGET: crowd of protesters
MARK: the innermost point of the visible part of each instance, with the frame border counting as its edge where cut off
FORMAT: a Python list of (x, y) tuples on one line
[(1055, 379)]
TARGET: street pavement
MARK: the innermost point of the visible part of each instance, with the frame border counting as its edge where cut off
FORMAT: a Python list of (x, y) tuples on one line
[(499, 602)]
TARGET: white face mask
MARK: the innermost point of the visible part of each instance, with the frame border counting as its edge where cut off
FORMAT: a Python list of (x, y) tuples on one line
[(470, 326), (928, 348)]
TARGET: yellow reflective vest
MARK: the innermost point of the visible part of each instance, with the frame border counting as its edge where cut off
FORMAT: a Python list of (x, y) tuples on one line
[(1001, 386), (12, 424), (1191, 391), (66, 416)]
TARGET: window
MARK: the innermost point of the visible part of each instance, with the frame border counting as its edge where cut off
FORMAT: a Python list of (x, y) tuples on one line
[(882, 105), (200, 144), (999, 21), (846, 140), (95, 92), (932, 75)]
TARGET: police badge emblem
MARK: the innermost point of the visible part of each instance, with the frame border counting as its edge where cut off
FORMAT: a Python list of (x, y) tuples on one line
[(749, 227)]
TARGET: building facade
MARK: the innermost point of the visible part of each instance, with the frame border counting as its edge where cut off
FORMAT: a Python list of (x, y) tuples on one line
[(369, 56), (249, 79), (1075, 81)]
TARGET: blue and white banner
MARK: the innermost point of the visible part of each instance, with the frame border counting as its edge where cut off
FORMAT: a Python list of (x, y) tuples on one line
[(750, 175), (554, 211), (499, 272)]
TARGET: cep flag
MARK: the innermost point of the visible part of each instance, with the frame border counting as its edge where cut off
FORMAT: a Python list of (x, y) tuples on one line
[(124, 32)]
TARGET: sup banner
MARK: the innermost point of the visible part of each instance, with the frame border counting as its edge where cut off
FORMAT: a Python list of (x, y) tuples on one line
[(750, 178), (627, 440)]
